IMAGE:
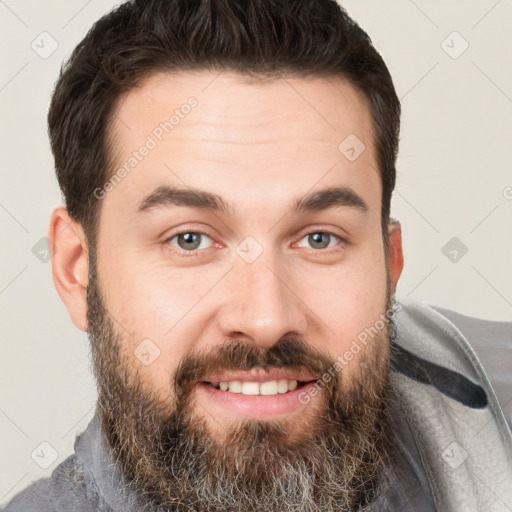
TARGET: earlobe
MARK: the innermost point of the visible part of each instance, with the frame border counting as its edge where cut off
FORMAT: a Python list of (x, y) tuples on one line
[(396, 256), (70, 264)]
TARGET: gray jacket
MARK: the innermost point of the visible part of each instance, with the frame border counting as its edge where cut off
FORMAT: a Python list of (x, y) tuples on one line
[(453, 444)]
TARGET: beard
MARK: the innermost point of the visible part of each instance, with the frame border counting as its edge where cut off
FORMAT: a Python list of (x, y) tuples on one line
[(167, 452)]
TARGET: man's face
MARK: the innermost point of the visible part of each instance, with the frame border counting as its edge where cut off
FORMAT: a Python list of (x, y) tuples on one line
[(260, 295)]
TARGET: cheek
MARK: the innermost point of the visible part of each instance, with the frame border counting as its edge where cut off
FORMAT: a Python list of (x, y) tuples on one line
[(350, 300), (173, 308), (146, 297), (152, 310)]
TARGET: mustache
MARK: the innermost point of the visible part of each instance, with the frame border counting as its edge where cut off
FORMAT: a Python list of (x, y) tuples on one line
[(289, 352)]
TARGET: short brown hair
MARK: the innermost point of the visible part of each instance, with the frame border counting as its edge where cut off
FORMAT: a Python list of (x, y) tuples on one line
[(267, 38)]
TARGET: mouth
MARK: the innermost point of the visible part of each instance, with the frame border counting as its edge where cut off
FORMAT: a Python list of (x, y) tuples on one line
[(257, 394), (251, 388)]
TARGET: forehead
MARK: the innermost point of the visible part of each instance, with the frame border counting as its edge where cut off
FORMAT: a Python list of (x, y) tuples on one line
[(257, 141), (331, 105)]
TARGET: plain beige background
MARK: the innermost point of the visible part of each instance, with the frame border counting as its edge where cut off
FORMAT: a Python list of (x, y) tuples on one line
[(451, 62)]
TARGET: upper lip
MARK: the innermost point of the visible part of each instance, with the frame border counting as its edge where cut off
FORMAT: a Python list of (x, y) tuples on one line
[(260, 375)]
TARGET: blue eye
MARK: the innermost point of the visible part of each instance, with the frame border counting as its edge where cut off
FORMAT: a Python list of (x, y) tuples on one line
[(189, 240), (321, 239)]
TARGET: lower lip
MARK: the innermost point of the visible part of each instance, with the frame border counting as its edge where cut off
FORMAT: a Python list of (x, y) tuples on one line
[(257, 406)]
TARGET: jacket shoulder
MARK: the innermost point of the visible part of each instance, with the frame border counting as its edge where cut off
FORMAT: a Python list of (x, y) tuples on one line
[(64, 490), (32, 498), (492, 342)]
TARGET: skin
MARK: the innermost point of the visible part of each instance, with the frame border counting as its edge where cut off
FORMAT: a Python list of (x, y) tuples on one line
[(259, 146)]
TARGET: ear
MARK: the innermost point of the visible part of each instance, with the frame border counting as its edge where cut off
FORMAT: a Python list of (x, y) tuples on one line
[(70, 264), (396, 256)]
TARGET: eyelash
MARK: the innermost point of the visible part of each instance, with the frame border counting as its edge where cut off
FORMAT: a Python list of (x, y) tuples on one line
[(197, 252)]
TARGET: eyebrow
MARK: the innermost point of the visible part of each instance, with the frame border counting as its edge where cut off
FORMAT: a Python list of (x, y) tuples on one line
[(166, 197)]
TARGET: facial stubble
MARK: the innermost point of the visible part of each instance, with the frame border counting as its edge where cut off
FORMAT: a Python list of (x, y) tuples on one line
[(171, 458)]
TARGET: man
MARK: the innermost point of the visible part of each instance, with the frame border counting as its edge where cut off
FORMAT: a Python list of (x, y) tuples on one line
[(268, 366)]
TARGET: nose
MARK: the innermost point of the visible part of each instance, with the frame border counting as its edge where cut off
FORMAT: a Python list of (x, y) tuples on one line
[(260, 305)]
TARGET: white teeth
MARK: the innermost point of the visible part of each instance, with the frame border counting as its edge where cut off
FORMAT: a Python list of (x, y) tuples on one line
[(250, 388), (268, 388), (292, 385), (282, 386), (235, 386), (272, 387)]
